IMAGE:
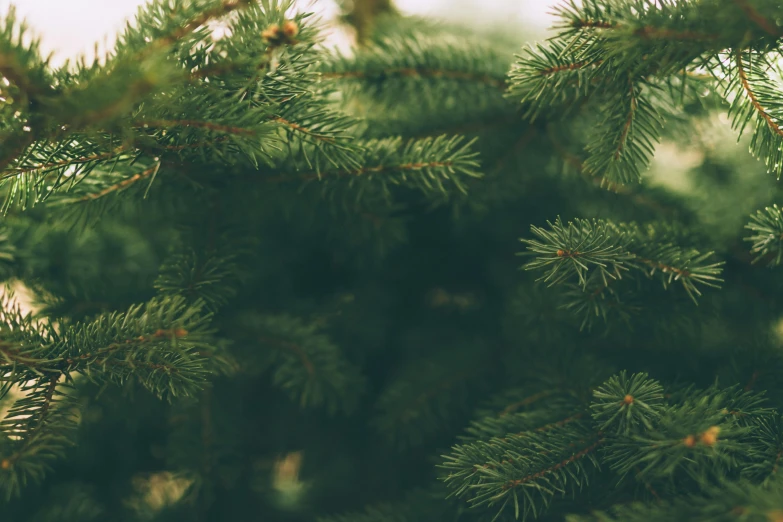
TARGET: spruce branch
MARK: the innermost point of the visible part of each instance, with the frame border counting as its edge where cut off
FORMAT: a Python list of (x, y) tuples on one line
[(36, 431), (428, 165), (306, 364), (767, 238), (729, 501), (523, 473), (623, 403), (751, 81), (625, 140), (600, 250)]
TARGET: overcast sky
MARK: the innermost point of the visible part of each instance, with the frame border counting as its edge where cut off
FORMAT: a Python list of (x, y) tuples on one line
[(70, 27)]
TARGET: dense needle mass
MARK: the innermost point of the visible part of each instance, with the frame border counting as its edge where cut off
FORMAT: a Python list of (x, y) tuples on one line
[(427, 279)]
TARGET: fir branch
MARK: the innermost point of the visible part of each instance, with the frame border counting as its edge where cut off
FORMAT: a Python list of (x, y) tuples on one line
[(767, 225), (609, 249), (426, 164), (35, 432), (752, 97), (523, 473), (122, 185), (306, 364), (67, 162), (625, 140), (741, 500)]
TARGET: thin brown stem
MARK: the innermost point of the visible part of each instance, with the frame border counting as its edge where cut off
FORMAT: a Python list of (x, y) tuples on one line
[(304, 130), (751, 95), (576, 456), (122, 184), (627, 126), (62, 163), (664, 267)]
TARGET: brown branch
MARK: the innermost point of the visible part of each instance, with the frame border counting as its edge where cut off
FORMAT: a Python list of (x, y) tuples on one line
[(665, 268), (564, 67), (753, 100), (62, 163), (122, 184), (48, 396), (11, 354), (757, 19), (627, 127), (304, 130), (573, 458), (540, 429), (415, 72), (295, 349)]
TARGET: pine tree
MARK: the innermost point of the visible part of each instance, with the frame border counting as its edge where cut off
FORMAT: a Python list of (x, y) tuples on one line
[(248, 277)]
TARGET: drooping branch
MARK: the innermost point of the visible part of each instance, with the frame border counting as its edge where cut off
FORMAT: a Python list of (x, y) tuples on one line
[(752, 96)]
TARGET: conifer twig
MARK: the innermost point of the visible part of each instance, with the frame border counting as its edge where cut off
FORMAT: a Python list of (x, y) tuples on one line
[(751, 95)]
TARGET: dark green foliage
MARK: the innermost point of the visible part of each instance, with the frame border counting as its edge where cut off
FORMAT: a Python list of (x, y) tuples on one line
[(309, 256)]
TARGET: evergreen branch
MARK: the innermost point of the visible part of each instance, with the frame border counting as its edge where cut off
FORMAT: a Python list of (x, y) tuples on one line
[(415, 75), (212, 277), (159, 25), (35, 431), (752, 97), (68, 162), (151, 171), (625, 140), (548, 471), (306, 364), (767, 225), (767, 450), (611, 249), (751, 83), (523, 473), (548, 78), (698, 439), (741, 500), (426, 164), (157, 343)]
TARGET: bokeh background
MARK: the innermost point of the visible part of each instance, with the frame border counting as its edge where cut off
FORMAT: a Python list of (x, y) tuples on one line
[(70, 27)]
